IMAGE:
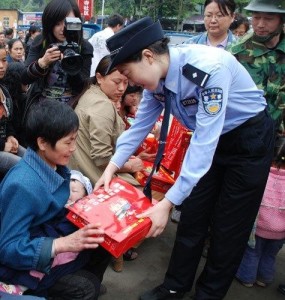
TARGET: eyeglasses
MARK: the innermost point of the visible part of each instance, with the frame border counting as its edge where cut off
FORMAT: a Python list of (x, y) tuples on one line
[(216, 17)]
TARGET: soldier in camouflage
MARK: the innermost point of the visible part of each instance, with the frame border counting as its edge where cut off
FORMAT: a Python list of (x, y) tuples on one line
[(262, 53)]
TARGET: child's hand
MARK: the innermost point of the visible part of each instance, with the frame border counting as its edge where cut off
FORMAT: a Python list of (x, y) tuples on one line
[(145, 155)]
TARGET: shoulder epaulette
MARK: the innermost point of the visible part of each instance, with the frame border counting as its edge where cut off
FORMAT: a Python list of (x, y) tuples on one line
[(195, 75)]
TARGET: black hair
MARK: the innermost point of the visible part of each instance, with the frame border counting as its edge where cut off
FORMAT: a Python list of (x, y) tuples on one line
[(33, 29), (102, 68), (9, 31), (12, 81), (224, 6), (51, 120), (56, 11), (132, 89), (115, 20), (279, 151), (13, 41), (159, 47), (239, 20)]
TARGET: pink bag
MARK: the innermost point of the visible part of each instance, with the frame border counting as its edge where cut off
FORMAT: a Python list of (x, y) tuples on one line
[(271, 216)]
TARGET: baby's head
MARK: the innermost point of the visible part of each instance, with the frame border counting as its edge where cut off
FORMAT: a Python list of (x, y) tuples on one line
[(80, 186)]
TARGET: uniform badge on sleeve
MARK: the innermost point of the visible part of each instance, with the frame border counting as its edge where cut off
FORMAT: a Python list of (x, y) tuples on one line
[(212, 100)]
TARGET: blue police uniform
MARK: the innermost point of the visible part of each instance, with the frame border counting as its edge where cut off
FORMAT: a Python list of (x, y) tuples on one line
[(225, 169)]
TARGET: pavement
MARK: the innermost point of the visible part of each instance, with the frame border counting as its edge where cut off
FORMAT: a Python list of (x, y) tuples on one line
[(148, 270)]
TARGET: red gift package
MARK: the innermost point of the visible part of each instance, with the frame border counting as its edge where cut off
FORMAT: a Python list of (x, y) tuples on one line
[(150, 143), (116, 211), (161, 180), (177, 143)]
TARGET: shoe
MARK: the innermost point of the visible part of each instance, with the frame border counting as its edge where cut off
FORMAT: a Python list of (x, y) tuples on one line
[(281, 288), (260, 283), (161, 293), (246, 284), (175, 215), (103, 290), (131, 254), (118, 264)]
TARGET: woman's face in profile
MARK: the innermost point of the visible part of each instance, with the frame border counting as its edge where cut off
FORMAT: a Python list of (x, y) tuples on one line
[(113, 85), (58, 29), (3, 62)]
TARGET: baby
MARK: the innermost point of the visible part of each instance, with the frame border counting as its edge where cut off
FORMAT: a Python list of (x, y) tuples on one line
[(80, 186)]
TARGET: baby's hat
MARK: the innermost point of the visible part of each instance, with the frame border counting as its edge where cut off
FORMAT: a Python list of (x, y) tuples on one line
[(83, 179)]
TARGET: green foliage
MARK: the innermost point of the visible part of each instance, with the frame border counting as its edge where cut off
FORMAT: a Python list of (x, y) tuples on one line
[(24, 5), (10, 4), (157, 9)]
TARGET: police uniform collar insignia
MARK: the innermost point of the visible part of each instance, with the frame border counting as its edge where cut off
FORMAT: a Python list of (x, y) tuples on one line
[(212, 99), (195, 75)]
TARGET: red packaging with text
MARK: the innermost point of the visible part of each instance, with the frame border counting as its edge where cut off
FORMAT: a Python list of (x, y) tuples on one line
[(116, 211)]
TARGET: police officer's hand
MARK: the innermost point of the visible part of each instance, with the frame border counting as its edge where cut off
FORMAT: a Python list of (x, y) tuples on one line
[(158, 214), (106, 178), (51, 55)]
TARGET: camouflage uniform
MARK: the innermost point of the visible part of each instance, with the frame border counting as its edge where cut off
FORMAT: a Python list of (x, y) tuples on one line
[(267, 68)]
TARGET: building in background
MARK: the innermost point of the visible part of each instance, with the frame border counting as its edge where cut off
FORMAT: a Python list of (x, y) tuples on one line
[(9, 18)]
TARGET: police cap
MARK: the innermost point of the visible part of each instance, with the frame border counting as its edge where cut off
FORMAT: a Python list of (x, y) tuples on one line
[(132, 39)]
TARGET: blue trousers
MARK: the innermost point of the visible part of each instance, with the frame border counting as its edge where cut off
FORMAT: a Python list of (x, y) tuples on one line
[(259, 263)]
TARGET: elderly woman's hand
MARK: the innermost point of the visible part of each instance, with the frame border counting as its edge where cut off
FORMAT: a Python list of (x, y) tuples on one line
[(88, 237)]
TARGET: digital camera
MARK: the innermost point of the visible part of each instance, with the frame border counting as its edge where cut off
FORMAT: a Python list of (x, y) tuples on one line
[(72, 61)]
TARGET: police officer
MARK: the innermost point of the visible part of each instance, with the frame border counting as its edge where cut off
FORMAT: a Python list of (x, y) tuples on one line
[(226, 166), (262, 53)]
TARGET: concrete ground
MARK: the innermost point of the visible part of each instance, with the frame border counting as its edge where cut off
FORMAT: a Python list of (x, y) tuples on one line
[(147, 271)]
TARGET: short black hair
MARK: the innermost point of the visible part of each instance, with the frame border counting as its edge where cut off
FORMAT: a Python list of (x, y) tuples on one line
[(115, 20), (9, 31), (51, 120), (240, 19), (131, 89)]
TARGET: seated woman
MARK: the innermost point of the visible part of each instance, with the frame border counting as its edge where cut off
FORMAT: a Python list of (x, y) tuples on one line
[(100, 125), (52, 256), (10, 150)]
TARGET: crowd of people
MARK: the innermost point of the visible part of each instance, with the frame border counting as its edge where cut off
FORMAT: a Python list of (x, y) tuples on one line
[(70, 123)]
